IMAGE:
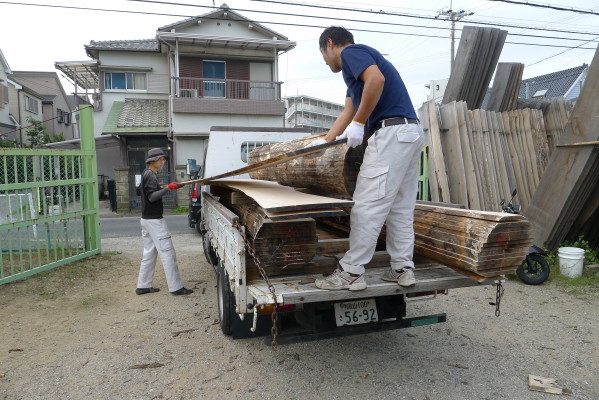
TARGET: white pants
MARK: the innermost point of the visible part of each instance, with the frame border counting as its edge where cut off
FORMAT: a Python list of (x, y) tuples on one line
[(386, 192), (157, 241)]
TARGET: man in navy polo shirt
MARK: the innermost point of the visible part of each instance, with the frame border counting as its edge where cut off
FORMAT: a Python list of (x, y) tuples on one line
[(387, 183)]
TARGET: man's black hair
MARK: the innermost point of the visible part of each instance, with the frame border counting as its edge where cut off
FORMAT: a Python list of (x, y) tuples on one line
[(339, 35)]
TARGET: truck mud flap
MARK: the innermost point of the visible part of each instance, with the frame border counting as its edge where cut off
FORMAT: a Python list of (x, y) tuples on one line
[(289, 338)]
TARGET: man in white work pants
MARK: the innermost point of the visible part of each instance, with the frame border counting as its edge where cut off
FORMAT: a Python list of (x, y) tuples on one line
[(386, 192), (157, 241)]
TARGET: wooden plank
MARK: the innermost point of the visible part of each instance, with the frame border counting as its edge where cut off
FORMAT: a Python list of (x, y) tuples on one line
[(569, 174), (439, 173), (423, 115), (274, 197), (452, 151), (469, 170), (293, 215)]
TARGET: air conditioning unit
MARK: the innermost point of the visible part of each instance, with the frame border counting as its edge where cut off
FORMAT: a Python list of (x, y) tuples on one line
[(188, 93)]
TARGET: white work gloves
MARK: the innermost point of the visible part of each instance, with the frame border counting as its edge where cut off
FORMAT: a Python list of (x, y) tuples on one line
[(354, 134), (316, 142)]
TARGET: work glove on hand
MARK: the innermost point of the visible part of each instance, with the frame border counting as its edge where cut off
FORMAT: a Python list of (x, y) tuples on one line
[(316, 142), (174, 186), (354, 134)]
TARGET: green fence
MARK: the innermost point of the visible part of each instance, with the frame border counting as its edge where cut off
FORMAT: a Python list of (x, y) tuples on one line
[(48, 206)]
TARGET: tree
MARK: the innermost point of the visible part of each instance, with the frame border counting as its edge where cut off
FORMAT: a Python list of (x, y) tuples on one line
[(36, 133)]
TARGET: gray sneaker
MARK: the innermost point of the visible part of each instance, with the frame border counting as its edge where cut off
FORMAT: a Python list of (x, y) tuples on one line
[(339, 280), (403, 277)]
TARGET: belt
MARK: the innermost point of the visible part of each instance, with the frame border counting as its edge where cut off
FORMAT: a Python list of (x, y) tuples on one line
[(394, 121)]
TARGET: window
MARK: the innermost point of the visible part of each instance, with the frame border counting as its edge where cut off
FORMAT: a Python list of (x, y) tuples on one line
[(214, 70), (67, 118), (247, 147), (59, 116), (540, 93), (124, 81), (31, 104), (5, 94)]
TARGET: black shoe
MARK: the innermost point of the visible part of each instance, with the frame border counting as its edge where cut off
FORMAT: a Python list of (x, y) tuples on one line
[(147, 290), (182, 291)]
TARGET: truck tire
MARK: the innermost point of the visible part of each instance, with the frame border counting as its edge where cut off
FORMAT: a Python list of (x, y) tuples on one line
[(209, 252), (226, 302)]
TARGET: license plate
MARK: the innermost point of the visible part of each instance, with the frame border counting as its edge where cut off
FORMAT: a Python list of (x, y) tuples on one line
[(356, 312)]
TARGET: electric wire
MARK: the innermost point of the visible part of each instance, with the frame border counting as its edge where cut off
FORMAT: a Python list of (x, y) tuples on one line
[(279, 23), (550, 6)]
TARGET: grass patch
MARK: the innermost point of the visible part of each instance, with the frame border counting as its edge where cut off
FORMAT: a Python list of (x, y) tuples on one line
[(180, 210), (93, 300)]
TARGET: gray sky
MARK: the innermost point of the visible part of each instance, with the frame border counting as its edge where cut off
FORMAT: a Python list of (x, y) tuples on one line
[(33, 38)]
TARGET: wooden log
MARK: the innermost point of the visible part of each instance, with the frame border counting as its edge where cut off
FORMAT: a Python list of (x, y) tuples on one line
[(276, 244), (333, 171)]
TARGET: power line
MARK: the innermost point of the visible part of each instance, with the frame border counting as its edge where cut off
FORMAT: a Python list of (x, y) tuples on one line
[(550, 6), (382, 12), (555, 55), (280, 23), (343, 19)]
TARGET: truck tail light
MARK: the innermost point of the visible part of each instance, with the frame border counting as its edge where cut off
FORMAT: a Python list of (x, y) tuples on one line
[(194, 193)]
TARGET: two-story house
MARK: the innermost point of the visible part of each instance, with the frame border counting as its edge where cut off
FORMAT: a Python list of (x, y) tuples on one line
[(7, 123), (24, 103), (56, 109), (217, 69)]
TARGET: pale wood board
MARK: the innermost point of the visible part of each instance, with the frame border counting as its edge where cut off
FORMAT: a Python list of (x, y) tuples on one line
[(439, 172), (468, 165), (273, 197), (571, 173)]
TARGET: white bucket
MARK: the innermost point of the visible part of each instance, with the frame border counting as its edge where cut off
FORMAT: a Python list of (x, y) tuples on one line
[(571, 260)]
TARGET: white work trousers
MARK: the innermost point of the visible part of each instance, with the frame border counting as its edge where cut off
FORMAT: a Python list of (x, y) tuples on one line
[(157, 241), (386, 192)]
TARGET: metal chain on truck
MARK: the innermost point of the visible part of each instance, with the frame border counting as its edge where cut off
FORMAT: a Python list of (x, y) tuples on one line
[(498, 297), (271, 288)]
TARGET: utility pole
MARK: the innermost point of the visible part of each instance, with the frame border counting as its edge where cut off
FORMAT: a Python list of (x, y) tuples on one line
[(453, 17)]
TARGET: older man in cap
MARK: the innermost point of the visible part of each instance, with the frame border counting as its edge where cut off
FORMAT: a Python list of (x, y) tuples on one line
[(154, 232)]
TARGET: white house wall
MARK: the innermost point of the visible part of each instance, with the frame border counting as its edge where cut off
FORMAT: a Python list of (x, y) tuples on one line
[(192, 123), (260, 72), (190, 148), (5, 106), (223, 28)]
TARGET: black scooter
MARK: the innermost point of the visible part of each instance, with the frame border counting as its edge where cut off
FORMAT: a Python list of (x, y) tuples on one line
[(534, 270)]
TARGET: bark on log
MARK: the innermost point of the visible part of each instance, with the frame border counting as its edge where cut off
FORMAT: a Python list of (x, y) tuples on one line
[(334, 172), (277, 244)]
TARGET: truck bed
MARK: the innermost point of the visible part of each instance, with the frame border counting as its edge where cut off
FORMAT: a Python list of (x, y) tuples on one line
[(299, 289)]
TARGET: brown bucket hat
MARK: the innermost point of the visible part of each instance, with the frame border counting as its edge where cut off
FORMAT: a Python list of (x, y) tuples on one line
[(155, 155)]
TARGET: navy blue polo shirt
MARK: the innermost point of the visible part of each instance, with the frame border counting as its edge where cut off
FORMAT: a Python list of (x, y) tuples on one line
[(394, 101)]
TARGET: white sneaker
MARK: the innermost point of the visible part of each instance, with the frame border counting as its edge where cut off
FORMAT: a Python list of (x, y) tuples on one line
[(403, 277), (339, 280)]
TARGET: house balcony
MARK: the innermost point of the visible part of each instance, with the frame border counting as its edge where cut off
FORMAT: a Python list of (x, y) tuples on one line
[(227, 96)]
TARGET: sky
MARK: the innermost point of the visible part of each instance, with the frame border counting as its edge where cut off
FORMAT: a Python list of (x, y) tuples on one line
[(32, 38)]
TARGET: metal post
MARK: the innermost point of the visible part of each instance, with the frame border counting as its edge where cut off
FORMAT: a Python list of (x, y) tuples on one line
[(90, 170)]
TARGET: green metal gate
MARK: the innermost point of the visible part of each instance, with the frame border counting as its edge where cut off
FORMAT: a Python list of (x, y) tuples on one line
[(49, 213)]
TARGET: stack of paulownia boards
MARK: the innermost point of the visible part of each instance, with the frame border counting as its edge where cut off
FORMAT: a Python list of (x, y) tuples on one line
[(506, 86), (480, 244), (475, 61), (477, 157)]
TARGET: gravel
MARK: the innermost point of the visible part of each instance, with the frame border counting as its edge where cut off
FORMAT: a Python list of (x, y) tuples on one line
[(76, 335)]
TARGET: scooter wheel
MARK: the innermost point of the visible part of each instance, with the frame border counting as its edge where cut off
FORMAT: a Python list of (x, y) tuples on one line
[(534, 270)]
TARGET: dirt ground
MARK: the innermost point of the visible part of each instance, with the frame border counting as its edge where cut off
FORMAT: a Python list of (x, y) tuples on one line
[(77, 331)]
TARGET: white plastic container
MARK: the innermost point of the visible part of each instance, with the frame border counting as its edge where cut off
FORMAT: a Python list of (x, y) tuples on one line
[(571, 261)]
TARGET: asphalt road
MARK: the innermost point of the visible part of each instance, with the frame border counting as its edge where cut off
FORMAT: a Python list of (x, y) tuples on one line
[(129, 226)]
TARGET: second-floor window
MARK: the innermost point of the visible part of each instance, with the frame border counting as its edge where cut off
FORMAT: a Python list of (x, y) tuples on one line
[(214, 70), (31, 104), (124, 81)]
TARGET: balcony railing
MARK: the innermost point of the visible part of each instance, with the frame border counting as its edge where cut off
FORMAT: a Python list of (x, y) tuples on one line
[(230, 89)]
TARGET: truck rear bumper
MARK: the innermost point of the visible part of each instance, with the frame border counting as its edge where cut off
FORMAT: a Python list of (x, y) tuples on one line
[(300, 289)]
